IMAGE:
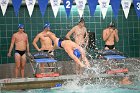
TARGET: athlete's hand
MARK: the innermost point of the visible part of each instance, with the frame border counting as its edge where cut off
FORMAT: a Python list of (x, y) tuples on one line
[(28, 53), (9, 54), (39, 50), (50, 51)]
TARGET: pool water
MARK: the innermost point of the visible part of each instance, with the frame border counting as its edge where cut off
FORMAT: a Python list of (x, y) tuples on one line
[(100, 85), (72, 87)]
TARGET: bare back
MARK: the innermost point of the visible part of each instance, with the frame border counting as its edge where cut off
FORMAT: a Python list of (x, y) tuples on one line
[(21, 40), (69, 44)]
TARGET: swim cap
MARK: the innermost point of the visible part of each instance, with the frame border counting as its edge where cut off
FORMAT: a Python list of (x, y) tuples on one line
[(112, 24), (20, 26), (77, 53), (81, 20), (47, 25)]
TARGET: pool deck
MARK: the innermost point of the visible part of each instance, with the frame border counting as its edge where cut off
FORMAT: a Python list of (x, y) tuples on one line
[(48, 82)]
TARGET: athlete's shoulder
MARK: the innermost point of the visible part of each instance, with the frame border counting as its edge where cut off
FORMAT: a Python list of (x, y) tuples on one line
[(15, 34), (106, 29), (75, 26), (25, 34), (39, 34)]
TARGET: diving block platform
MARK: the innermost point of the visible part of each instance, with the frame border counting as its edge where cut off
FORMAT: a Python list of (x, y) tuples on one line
[(115, 57), (37, 58), (111, 54), (48, 60)]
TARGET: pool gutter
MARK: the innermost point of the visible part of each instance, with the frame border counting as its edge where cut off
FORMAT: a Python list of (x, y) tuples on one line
[(49, 82)]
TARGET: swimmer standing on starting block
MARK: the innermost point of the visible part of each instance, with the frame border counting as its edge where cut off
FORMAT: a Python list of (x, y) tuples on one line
[(72, 49), (46, 43)]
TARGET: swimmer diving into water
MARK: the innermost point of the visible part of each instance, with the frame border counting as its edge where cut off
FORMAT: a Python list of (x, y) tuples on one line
[(73, 50)]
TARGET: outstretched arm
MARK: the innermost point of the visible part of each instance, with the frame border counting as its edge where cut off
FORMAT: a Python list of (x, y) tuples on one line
[(77, 60)]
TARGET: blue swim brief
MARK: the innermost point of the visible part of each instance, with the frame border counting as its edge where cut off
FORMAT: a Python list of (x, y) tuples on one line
[(77, 53), (59, 43)]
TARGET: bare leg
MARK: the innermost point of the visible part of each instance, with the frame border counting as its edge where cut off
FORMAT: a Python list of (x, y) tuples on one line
[(17, 64), (23, 62)]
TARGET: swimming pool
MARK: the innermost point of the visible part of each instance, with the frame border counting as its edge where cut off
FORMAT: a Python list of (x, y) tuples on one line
[(87, 89), (75, 87), (97, 83)]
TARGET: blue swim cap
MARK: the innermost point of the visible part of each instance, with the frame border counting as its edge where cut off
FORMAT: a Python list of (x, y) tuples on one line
[(20, 26), (47, 25), (77, 53)]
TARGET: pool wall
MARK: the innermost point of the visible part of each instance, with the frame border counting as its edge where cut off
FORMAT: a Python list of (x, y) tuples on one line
[(129, 29), (7, 70)]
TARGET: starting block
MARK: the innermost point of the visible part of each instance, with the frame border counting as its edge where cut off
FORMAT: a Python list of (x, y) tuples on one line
[(116, 57), (37, 58)]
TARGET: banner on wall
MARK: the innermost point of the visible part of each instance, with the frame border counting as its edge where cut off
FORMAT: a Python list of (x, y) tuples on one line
[(16, 5), (137, 7), (55, 6), (92, 6), (126, 7), (80, 6), (115, 6), (42, 5), (104, 6), (4, 4), (67, 5), (30, 6)]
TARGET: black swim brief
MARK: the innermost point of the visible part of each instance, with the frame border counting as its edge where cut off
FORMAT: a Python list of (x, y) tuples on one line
[(45, 50), (20, 52), (110, 46)]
